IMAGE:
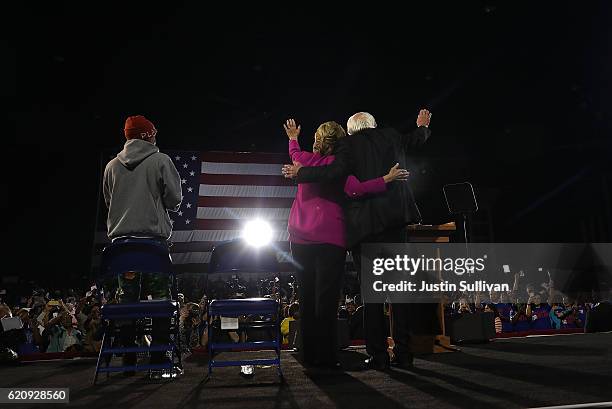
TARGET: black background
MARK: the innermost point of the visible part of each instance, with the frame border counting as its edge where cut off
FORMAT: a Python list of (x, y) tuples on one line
[(520, 94)]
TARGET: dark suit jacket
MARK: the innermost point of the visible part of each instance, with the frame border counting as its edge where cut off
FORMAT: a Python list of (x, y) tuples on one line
[(368, 154)]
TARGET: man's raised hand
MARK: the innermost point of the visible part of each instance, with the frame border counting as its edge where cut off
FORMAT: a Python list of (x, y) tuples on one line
[(423, 118)]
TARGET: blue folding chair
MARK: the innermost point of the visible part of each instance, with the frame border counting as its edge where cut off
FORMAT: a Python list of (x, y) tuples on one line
[(236, 257), (143, 256)]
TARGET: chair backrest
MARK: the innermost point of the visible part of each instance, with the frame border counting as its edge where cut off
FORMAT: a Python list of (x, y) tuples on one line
[(236, 256), (142, 255)]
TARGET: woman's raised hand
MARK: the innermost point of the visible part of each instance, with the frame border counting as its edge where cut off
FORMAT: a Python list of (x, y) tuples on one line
[(291, 129)]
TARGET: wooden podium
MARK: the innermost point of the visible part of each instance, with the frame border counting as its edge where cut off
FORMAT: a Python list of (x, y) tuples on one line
[(430, 233), (423, 341)]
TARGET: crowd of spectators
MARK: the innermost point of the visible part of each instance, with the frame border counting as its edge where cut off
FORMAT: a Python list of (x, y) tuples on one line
[(528, 307), (69, 320), (51, 321)]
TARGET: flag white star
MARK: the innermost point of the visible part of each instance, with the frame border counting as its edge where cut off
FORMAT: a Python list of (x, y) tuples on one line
[(177, 158), (193, 157), (180, 213), (183, 181), (188, 205), (185, 165), (187, 221), (190, 189), (192, 173)]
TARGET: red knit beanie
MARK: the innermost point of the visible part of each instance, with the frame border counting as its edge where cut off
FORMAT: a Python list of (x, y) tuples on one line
[(139, 127)]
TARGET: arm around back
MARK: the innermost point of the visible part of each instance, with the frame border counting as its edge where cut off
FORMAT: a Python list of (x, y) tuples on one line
[(338, 169)]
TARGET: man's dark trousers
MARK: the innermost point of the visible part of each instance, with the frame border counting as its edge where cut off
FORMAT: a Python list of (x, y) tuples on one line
[(375, 320)]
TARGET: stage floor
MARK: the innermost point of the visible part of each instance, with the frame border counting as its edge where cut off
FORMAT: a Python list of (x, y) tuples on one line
[(508, 373)]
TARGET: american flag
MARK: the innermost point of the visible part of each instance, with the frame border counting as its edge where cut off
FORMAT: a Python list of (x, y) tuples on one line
[(221, 192)]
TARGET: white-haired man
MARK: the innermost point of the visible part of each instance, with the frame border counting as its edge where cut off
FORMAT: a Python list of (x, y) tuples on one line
[(381, 218), (360, 121)]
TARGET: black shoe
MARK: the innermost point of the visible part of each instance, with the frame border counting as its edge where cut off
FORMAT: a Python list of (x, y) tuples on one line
[(377, 362), (175, 372), (129, 360), (402, 364), (247, 371), (306, 362), (155, 374), (403, 361), (333, 365)]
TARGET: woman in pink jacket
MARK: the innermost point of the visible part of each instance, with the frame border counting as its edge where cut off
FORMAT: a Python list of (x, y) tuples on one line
[(317, 237)]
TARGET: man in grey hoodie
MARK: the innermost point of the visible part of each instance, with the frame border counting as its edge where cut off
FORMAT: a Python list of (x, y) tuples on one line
[(141, 185)]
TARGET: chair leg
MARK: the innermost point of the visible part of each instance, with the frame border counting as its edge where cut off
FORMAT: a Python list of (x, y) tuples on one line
[(180, 356), (99, 358), (109, 357), (178, 343), (178, 315), (279, 344), (210, 350), (280, 373), (278, 356)]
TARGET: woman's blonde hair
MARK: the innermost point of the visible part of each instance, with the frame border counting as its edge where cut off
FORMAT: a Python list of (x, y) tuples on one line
[(326, 137)]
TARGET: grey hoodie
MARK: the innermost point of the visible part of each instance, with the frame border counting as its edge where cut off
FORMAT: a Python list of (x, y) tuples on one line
[(140, 185)]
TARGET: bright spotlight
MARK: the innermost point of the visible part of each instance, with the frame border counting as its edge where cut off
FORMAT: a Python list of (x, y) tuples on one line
[(257, 233)]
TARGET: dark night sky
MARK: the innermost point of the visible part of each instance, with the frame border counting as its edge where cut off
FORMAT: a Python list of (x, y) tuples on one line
[(520, 95)]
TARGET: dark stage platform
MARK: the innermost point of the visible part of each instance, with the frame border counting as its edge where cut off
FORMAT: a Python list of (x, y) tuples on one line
[(526, 372)]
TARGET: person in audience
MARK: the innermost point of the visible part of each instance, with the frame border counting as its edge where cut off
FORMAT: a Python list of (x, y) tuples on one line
[(203, 328), (356, 322), (539, 313), (518, 317), (292, 315), (9, 340), (504, 310), (189, 323), (465, 307), (63, 336), (497, 320), (5, 311), (33, 340), (92, 325), (575, 316), (599, 317), (343, 314)]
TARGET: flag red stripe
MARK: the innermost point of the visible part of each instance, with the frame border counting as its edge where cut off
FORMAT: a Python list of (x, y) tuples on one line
[(245, 157), (253, 202), (249, 180)]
